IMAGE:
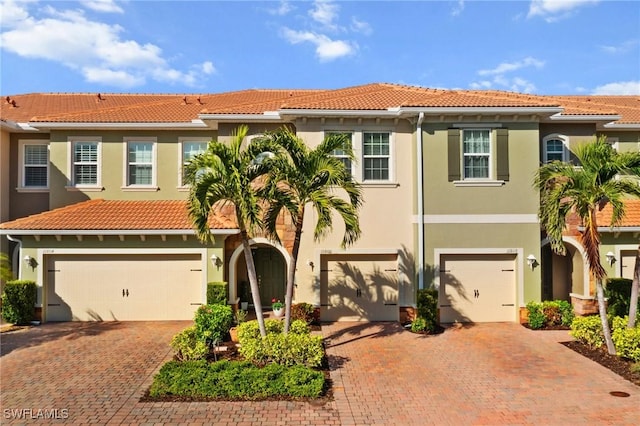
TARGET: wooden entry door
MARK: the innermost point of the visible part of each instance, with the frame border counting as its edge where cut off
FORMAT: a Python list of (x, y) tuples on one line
[(271, 272)]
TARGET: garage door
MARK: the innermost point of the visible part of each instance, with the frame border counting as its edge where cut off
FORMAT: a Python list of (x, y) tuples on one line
[(123, 287), (359, 287), (627, 263), (477, 288)]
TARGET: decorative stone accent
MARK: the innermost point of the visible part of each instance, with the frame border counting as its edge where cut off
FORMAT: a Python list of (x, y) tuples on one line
[(524, 315), (584, 305)]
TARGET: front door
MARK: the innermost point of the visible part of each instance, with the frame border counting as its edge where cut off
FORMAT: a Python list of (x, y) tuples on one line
[(270, 269)]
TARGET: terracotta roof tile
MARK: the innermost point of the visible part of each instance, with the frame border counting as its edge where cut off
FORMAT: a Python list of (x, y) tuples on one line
[(98, 215), (631, 217), (174, 108)]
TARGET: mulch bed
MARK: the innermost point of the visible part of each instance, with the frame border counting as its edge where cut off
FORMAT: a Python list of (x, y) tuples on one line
[(620, 366)]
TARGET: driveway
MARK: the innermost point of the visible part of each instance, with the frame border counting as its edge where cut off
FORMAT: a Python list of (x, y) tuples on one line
[(95, 373)]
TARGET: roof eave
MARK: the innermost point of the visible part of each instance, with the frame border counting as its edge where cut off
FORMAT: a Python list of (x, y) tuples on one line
[(227, 231), (622, 126), (482, 110), (267, 116), (193, 124), (580, 118)]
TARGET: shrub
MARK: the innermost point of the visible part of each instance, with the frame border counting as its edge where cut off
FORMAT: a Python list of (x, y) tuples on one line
[(428, 307), (626, 340), (618, 293), (235, 380), (213, 321), (537, 318), (188, 346), (297, 347), (302, 311), (635, 368), (588, 330), (217, 293), (419, 325), (18, 301), (550, 313)]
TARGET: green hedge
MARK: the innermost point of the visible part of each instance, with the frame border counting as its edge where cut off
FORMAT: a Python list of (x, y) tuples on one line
[(588, 330), (236, 380), (618, 294), (213, 322), (18, 301), (188, 346), (217, 293), (427, 310), (550, 313)]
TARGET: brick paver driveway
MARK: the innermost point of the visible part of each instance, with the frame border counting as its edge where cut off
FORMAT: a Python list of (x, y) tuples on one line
[(95, 373)]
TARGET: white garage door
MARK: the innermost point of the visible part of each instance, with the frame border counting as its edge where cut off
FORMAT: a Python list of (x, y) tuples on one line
[(359, 287), (627, 263), (477, 288), (123, 287)]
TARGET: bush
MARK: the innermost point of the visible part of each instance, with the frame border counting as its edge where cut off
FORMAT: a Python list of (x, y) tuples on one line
[(235, 380), (213, 321), (302, 311), (217, 293), (588, 330), (188, 346), (18, 301), (297, 347), (550, 313), (618, 293), (626, 340), (419, 325), (428, 308)]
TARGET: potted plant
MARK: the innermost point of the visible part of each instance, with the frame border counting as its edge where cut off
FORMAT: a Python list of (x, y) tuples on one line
[(278, 307), (240, 317)]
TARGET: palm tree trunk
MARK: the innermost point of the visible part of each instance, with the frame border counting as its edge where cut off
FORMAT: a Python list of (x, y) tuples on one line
[(603, 317), (635, 288), (291, 273), (253, 282)]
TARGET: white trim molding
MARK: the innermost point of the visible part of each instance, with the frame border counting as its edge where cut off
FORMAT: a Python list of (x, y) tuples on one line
[(479, 218)]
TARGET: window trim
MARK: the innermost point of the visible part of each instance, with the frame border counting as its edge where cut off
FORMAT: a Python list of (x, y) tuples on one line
[(22, 187), (490, 154), (153, 186), (181, 142), (71, 182), (388, 157), (565, 147)]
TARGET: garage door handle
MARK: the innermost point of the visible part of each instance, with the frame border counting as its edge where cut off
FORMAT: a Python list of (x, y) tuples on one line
[(390, 304), (508, 304), (53, 304), (445, 306), (196, 304), (125, 292)]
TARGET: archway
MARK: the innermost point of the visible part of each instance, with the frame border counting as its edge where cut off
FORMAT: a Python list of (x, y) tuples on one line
[(271, 263), (564, 274)]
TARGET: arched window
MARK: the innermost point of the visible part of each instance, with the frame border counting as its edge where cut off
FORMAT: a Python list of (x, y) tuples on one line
[(555, 148)]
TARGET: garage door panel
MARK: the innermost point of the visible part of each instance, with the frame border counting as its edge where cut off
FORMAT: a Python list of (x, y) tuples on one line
[(477, 288), (123, 287), (359, 288)]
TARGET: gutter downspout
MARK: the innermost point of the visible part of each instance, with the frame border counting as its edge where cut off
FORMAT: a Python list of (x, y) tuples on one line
[(420, 201), (15, 259)]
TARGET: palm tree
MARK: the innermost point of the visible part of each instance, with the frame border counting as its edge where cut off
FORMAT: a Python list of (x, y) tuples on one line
[(230, 175), (311, 176), (565, 190), (6, 273)]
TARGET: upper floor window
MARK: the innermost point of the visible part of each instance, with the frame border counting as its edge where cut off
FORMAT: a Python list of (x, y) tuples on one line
[(341, 153), (554, 148), (141, 162), (34, 165), (376, 155), (86, 162), (476, 145), (189, 149)]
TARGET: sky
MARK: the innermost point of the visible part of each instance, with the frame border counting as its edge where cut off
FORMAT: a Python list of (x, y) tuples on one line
[(550, 47)]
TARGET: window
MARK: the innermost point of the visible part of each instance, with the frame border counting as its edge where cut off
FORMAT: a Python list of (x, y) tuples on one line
[(341, 153), (376, 156), (190, 148), (140, 161), (34, 160), (476, 146), (85, 163), (555, 148), (478, 157)]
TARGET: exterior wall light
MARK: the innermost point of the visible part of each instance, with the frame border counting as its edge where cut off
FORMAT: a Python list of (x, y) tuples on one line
[(215, 261), (611, 258), (532, 261)]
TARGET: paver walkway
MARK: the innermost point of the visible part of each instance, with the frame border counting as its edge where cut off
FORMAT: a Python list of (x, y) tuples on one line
[(95, 373)]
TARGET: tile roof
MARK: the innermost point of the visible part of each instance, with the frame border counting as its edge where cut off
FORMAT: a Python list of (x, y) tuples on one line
[(119, 215), (630, 219), (183, 108)]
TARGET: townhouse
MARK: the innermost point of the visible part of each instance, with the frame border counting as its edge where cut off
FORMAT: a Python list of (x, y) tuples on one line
[(93, 201)]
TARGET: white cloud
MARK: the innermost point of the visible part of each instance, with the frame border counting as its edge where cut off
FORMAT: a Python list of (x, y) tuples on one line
[(458, 8), (621, 48), (361, 26), (108, 6), (555, 10), (326, 48), (619, 88), (283, 9), (100, 53), (325, 12), (513, 66)]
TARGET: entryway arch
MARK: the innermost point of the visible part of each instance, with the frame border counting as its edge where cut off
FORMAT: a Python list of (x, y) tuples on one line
[(272, 262), (563, 275)]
